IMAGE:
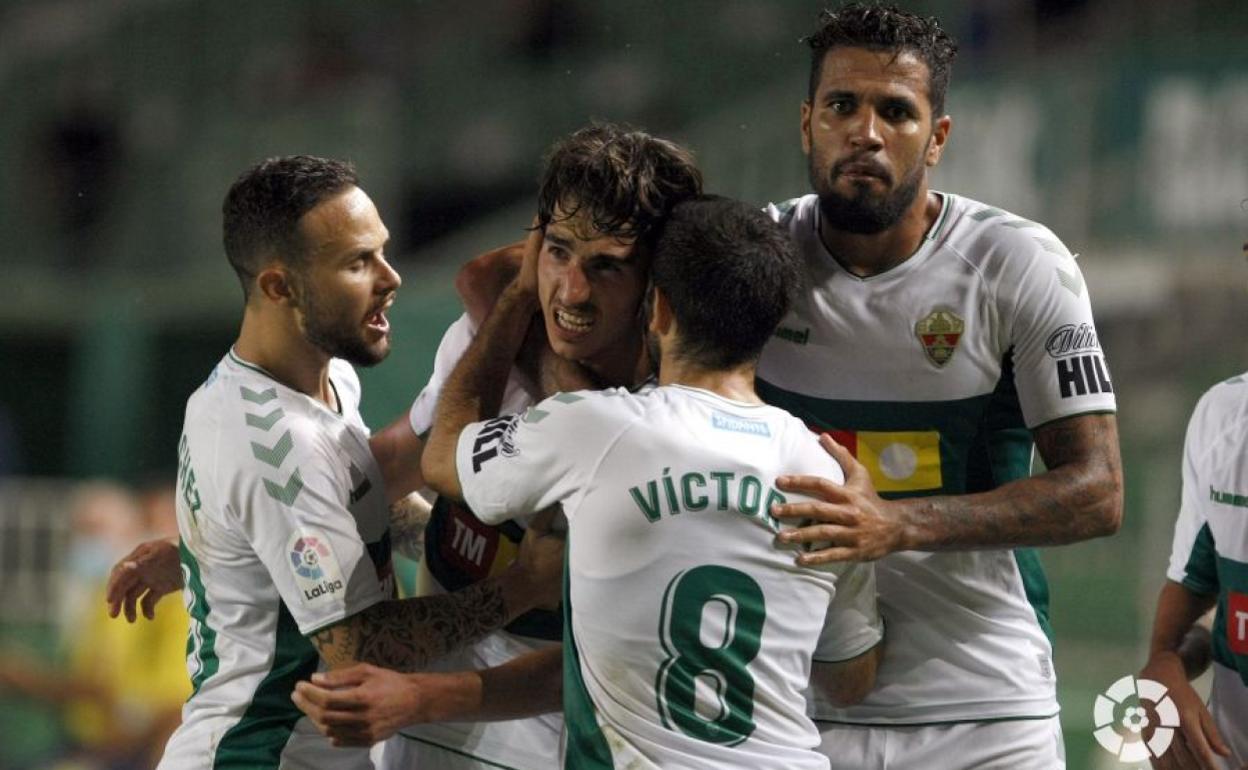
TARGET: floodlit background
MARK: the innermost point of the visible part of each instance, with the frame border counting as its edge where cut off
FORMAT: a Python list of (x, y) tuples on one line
[(1121, 124)]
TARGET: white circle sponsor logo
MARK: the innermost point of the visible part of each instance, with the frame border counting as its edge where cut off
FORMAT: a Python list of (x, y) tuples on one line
[(898, 461), (1122, 719)]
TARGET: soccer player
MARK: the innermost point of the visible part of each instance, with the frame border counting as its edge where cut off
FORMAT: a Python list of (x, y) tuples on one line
[(1208, 570), (604, 191), (282, 506), (938, 339), (689, 637)]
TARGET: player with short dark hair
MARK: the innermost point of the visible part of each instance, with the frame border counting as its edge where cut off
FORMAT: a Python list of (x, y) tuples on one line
[(282, 507), (940, 337)]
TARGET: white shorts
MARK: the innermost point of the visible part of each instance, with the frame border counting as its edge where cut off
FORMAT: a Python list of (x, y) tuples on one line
[(1019, 744)]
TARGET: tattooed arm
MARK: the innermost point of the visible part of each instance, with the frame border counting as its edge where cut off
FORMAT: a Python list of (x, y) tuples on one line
[(408, 518), (1077, 498), (409, 634)]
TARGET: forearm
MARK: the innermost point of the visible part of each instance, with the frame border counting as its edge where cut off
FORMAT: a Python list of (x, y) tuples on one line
[(1078, 498), (474, 390), (397, 450), (524, 686), (1057, 507), (1171, 647), (409, 634)]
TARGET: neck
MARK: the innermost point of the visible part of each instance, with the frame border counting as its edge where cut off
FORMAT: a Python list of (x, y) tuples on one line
[(623, 366), (736, 383), (865, 255), (274, 342)]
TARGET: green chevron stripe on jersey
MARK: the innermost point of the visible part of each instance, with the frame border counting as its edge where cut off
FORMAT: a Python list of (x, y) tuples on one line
[(257, 740), (285, 493), (257, 396), (587, 747), (276, 454), (201, 640), (1202, 564), (266, 421)]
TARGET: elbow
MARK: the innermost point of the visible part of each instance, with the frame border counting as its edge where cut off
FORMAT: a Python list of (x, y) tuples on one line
[(1107, 513), (436, 472), (843, 696)]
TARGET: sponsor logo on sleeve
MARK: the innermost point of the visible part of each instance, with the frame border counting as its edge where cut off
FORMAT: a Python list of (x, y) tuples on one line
[(314, 566), (496, 437), (1081, 369)]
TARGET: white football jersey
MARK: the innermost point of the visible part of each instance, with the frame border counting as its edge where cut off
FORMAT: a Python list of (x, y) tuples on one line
[(285, 530), (689, 634), (461, 550), (932, 373), (1210, 552)]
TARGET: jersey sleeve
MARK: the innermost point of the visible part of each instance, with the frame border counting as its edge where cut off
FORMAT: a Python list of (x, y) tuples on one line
[(523, 463), (294, 515), (1193, 562), (454, 342), (1059, 368), (853, 624)]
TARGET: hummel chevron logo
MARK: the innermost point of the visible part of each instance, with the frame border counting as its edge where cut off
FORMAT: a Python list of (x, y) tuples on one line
[(258, 397), (277, 454), (567, 398), (288, 493), (1073, 282), (267, 421)]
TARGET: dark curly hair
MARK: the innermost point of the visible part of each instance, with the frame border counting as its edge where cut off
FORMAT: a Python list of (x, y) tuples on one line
[(261, 211), (885, 28), (622, 180)]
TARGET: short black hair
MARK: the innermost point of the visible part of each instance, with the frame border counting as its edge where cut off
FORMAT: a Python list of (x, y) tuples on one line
[(262, 210), (623, 180), (730, 274), (885, 28)]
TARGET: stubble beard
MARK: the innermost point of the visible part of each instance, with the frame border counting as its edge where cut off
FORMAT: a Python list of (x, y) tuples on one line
[(336, 338), (864, 213)]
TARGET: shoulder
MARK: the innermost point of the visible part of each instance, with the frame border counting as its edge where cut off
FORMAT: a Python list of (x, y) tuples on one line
[(1223, 407), (794, 211), (997, 241), (596, 409)]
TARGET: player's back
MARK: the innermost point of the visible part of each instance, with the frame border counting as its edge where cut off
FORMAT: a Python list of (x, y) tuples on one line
[(688, 630)]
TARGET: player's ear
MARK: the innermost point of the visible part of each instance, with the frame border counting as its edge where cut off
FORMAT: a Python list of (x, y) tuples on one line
[(276, 284), (807, 109), (940, 135)]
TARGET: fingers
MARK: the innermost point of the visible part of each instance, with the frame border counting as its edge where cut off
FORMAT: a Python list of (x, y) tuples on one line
[(825, 513), (856, 473), (813, 486), (344, 705), (148, 604), (830, 555), (343, 677), (1213, 734), (541, 523)]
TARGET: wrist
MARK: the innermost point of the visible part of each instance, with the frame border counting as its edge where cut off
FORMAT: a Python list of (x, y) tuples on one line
[(446, 697), (521, 297), (1165, 665)]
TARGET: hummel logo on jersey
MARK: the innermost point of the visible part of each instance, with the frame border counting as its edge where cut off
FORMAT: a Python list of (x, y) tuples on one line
[(360, 483), (1082, 375), (489, 440), (793, 335), (1228, 498)]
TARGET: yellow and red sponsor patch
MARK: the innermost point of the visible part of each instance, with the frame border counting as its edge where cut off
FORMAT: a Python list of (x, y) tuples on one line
[(898, 461)]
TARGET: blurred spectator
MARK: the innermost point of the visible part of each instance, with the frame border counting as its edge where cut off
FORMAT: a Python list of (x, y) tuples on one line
[(120, 686)]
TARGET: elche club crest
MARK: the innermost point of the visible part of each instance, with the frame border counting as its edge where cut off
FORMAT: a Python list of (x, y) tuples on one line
[(939, 332)]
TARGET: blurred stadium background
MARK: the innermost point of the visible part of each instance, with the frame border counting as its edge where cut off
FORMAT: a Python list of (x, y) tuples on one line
[(1123, 125)]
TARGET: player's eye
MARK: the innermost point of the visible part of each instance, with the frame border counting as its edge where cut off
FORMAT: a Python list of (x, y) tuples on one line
[(841, 106), (896, 112), (557, 252)]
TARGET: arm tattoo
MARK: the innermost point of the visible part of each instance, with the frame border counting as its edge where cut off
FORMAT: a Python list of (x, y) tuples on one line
[(1077, 498), (408, 517), (410, 634)]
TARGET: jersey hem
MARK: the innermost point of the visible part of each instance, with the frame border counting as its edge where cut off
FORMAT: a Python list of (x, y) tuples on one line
[(970, 720), (437, 745), (858, 654), (1038, 426)]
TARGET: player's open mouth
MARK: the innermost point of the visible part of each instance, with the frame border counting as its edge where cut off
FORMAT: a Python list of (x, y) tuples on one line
[(378, 321), (576, 323)]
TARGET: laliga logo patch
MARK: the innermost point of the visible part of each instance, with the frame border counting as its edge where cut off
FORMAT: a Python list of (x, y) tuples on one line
[(1122, 705), (314, 566)]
